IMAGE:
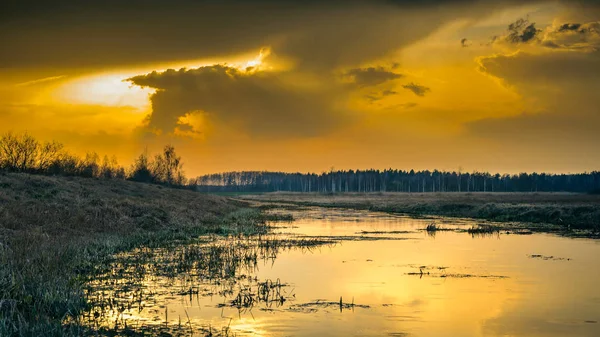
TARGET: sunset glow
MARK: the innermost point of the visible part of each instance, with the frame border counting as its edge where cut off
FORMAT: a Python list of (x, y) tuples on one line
[(106, 90), (463, 89), (300, 168)]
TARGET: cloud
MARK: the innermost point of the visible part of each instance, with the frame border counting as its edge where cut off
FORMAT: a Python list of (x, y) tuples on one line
[(40, 81), (573, 36), (372, 98), (314, 35), (371, 76), (557, 36), (418, 90), (568, 69), (184, 127), (569, 27), (559, 86), (402, 106), (521, 31), (259, 103)]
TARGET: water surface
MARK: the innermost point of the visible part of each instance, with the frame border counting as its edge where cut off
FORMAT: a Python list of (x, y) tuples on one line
[(392, 277)]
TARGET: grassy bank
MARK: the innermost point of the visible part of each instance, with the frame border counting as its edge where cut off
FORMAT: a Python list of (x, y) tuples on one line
[(567, 210), (55, 233)]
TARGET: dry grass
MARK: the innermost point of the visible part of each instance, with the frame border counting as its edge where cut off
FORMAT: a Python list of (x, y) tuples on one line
[(56, 232), (570, 210)]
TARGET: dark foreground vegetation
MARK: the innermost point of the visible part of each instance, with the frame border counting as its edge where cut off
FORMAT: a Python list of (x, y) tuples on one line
[(568, 211), (56, 233)]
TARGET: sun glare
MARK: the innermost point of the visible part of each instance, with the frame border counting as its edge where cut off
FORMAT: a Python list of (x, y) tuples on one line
[(253, 63), (111, 89), (105, 89), (257, 62)]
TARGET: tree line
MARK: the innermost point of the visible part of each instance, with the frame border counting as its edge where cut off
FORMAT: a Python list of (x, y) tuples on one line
[(391, 180), (23, 153)]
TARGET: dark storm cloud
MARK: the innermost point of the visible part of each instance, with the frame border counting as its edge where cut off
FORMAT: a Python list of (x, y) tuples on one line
[(262, 104), (316, 35), (372, 75), (418, 90)]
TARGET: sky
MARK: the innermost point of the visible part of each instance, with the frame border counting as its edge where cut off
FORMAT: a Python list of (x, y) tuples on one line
[(288, 85)]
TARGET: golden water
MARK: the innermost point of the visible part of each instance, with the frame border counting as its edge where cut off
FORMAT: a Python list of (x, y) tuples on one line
[(414, 284)]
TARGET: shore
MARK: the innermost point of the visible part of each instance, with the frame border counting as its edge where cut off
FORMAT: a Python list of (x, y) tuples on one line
[(545, 211)]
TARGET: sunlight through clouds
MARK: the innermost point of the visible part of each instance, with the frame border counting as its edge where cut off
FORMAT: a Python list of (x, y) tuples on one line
[(372, 77)]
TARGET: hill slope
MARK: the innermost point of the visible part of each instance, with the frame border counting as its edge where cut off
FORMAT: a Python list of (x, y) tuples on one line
[(56, 231)]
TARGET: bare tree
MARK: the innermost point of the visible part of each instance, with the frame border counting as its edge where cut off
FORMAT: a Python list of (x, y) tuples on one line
[(168, 168)]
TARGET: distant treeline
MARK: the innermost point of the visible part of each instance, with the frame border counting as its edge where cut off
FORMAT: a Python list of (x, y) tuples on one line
[(23, 153), (397, 181)]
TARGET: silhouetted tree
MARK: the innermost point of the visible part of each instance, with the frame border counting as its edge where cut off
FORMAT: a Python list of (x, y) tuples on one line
[(140, 170), (167, 167)]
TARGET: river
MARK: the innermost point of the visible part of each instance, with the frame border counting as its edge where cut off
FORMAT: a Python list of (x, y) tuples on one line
[(374, 274)]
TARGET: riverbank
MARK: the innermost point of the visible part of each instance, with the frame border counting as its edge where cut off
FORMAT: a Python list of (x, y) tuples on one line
[(548, 211), (55, 232)]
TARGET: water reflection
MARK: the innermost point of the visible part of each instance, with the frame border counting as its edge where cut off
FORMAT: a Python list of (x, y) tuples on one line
[(390, 279)]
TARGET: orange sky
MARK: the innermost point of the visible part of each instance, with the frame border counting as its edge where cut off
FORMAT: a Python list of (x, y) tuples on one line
[(308, 86)]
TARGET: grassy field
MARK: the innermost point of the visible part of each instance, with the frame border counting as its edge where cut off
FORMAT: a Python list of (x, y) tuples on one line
[(56, 232), (567, 210)]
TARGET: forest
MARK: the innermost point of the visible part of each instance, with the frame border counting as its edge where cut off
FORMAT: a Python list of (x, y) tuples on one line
[(392, 180)]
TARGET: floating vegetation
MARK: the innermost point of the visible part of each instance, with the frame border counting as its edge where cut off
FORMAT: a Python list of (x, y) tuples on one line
[(339, 238), (545, 257), (386, 232), (483, 230), (433, 228), (314, 306), (472, 275), (520, 232), (432, 271)]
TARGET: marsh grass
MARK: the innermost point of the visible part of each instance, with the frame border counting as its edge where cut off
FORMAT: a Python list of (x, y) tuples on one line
[(484, 230), (551, 212), (324, 304), (433, 227), (58, 233), (267, 293), (141, 281)]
